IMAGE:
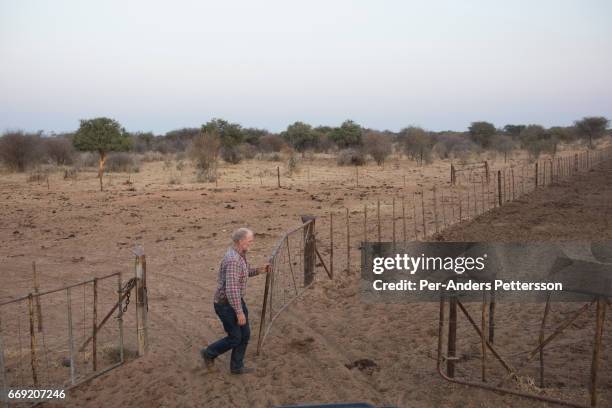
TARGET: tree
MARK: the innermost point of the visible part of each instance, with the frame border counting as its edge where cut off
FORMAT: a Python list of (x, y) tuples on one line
[(230, 135), (481, 133), (378, 145), (347, 135), (102, 135), (592, 127), (300, 136), (536, 140), (514, 130), (417, 143), (252, 136)]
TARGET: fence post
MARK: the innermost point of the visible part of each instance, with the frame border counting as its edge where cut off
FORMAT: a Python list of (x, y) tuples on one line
[(393, 227), (348, 241), (536, 174), (120, 317), (94, 342), (278, 176), (423, 211), (435, 203), (36, 290), (71, 337), (452, 336), (378, 216), (452, 175), (331, 244), (365, 223), (3, 382), (309, 249), (499, 190), (404, 218), (487, 170), (33, 361), (140, 266), (599, 324)]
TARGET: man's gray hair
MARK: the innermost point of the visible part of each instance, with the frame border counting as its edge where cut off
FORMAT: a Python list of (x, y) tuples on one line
[(240, 234)]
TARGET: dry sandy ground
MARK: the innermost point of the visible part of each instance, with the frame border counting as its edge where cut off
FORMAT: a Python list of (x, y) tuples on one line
[(76, 232)]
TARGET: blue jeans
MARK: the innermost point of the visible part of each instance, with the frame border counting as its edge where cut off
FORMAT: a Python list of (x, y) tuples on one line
[(237, 337)]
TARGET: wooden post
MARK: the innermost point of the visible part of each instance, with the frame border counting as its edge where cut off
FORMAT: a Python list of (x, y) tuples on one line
[(404, 181), (460, 206), (443, 209), (492, 317), (452, 336), (512, 175), (357, 176), (120, 317), (348, 241), (140, 266), (541, 339), (278, 176), (262, 321), (309, 249), (499, 187), (452, 174), (94, 352), (435, 203), (404, 219), (331, 243), (365, 223), (487, 170), (378, 217), (599, 325), (36, 290), (414, 216), (70, 338), (33, 361), (475, 200), (536, 174), (393, 219), (3, 382), (423, 211), (483, 342)]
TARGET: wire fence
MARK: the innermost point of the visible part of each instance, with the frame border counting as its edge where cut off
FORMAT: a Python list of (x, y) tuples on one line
[(60, 338)]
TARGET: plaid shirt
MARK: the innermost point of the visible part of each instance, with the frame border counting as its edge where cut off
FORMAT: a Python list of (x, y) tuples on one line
[(233, 273)]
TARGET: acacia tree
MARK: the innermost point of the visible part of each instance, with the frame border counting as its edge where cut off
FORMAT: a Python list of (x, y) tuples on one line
[(481, 133), (349, 134), (102, 135), (592, 127), (300, 136)]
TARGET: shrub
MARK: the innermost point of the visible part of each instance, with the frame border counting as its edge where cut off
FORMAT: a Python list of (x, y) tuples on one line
[(152, 156), (271, 143), (351, 157), (231, 154), (417, 143), (378, 145), (19, 150), (292, 165), (59, 150), (122, 162), (247, 151), (204, 151)]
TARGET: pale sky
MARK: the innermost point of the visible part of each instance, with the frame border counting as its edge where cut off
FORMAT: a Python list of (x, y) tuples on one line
[(157, 66)]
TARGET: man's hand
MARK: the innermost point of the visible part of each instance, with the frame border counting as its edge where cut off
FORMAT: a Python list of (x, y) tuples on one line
[(241, 319), (265, 269)]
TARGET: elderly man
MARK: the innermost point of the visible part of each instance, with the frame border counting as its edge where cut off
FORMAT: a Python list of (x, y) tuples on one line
[(229, 303)]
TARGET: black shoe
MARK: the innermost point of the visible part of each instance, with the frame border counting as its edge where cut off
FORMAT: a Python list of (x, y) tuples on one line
[(207, 362), (243, 370)]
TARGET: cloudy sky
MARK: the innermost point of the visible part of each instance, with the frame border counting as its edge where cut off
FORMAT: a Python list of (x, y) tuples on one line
[(157, 66)]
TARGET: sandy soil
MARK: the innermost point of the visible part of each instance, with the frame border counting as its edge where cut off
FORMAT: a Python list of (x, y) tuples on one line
[(75, 232)]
